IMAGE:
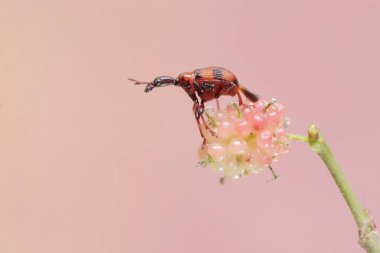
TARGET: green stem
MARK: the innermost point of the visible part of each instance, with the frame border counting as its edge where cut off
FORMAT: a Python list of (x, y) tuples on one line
[(298, 137), (368, 236)]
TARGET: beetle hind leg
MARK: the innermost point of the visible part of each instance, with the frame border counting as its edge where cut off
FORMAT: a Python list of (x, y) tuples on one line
[(239, 96), (232, 90)]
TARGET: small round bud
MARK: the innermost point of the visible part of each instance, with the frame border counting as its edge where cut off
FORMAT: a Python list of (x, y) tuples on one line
[(248, 138)]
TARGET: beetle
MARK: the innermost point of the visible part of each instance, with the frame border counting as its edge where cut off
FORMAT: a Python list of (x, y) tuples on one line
[(206, 83)]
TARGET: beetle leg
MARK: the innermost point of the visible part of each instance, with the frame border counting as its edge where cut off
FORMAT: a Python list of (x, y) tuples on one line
[(202, 108), (197, 115), (239, 96), (234, 89), (217, 104)]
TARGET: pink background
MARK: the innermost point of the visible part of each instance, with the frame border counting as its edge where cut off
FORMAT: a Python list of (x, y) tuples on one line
[(90, 163)]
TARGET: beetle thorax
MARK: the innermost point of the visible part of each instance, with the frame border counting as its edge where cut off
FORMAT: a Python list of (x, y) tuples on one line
[(185, 77), (185, 80)]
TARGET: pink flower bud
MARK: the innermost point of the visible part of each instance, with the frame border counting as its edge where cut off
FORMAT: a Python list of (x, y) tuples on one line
[(249, 138), (216, 151), (259, 122), (242, 128), (237, 147), (225, 129), (265, 138)]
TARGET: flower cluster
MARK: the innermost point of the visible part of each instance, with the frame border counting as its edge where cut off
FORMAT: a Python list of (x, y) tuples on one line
[(241, 140)]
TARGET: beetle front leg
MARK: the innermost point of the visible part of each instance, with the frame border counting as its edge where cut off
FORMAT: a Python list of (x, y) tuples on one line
[(197, 114)]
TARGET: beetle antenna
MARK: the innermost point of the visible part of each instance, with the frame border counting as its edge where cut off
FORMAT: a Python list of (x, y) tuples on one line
[(137, 82)]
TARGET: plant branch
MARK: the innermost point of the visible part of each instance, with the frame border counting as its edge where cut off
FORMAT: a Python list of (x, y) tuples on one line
[(368, 236)]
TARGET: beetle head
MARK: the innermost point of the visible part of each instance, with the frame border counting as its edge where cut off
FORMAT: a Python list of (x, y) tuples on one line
[(160, 81)]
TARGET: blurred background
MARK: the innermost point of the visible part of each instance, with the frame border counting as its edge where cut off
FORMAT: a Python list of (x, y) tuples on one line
[(90, 163)]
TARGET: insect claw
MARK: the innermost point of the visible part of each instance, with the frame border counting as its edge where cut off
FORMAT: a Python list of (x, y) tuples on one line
[(213, 133), (203, 143)]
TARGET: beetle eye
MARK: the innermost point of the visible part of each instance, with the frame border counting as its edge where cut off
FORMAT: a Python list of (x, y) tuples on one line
[(157, 81)]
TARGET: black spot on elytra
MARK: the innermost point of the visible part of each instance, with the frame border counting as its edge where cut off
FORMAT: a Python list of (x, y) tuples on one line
[(218, 73), (207, 86)]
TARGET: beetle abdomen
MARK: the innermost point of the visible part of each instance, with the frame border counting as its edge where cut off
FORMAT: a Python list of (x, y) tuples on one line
[(214, 74)]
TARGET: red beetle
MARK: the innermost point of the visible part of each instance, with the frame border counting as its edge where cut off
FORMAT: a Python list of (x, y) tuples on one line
[(206, 83)]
